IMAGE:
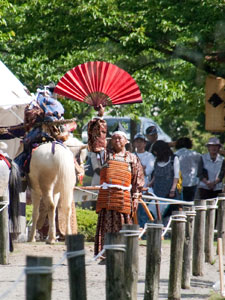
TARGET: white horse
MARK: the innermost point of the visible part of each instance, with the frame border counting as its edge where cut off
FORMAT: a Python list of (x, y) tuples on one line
[(79, 151), (77, 147), (52, 179)]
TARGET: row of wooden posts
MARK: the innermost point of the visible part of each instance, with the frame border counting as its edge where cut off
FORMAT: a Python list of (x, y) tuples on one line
[(192, 238)]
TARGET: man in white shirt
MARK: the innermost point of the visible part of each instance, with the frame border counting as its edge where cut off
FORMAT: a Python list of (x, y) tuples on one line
[(211, 171), (147, 159), (189, 164)]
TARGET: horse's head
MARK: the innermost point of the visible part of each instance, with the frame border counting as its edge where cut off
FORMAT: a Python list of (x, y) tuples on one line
[(77, 148), (79, 151)]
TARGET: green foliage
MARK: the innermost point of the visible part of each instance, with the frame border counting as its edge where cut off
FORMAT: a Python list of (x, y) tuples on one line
[(5, 33), (198, 137), (29, 209), (216, 296), (87, 221)]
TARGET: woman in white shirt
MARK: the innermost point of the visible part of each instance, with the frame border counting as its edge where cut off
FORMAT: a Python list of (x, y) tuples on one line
[(166, 173)]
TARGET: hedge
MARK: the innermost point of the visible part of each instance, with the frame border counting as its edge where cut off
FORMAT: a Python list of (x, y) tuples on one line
[(86, 220)]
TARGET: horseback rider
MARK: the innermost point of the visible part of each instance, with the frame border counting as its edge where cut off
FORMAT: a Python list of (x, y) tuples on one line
[(40, 126)]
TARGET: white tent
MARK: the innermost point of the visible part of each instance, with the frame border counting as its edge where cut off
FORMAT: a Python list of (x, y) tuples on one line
[(13, 99)]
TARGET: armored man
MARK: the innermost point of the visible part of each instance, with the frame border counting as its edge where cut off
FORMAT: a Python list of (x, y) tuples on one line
[(121, 180)]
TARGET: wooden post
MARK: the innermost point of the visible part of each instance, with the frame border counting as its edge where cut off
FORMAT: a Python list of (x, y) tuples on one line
[(4, 232), (221, 267), (76, 264), (115, 277), (221, 220), (199, 238), (176, 255), (209, 231), (131, 233), (39, 278), (153, 261), (188, 248)]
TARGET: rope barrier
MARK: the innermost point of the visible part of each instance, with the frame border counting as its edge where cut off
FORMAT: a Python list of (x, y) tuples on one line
[(200, 207), (12, 287), (173, 218), (143, 231), (190, 213), (175, 201), (75, 253), (211, 199), (130, 232), (38, 270), (88, 192), (217, 199), (5, 203), (119, 247), (167, 227), (179, 218), (98, 255), (211, 206), (41, 270)]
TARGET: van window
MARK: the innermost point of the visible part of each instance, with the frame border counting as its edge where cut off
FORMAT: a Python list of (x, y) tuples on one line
[(112, 123)]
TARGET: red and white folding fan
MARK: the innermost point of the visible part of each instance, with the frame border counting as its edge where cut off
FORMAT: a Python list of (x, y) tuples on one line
[(99, 82)]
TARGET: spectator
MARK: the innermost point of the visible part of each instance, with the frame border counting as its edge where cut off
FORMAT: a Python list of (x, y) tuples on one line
[(147, 161), (152, 137), (211, 170), (166, 173), (189, 163)]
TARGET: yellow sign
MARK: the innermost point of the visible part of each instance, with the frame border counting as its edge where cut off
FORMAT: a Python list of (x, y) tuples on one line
[(215, 104)]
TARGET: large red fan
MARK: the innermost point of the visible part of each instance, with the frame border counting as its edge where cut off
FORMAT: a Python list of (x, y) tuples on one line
[(99, 82)]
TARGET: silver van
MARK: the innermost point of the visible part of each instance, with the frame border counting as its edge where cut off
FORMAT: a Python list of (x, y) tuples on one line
[(112, 124)]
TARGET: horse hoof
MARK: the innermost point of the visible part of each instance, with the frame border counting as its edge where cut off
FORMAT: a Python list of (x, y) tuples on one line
[(32, 240), (50, 242)]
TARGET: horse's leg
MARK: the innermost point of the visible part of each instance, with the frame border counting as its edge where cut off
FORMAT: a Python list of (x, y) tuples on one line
[(36, 197), (66, 199), (51, 207), (68, 218), (69, 211)]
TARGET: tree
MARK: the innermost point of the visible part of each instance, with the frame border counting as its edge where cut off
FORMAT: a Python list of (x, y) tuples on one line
[(168, 46)]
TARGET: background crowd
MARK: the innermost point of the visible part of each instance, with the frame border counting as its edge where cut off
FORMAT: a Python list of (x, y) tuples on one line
[(173, 170)]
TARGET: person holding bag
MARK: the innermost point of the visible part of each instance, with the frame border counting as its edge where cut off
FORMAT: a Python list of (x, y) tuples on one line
[(166, 175)]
